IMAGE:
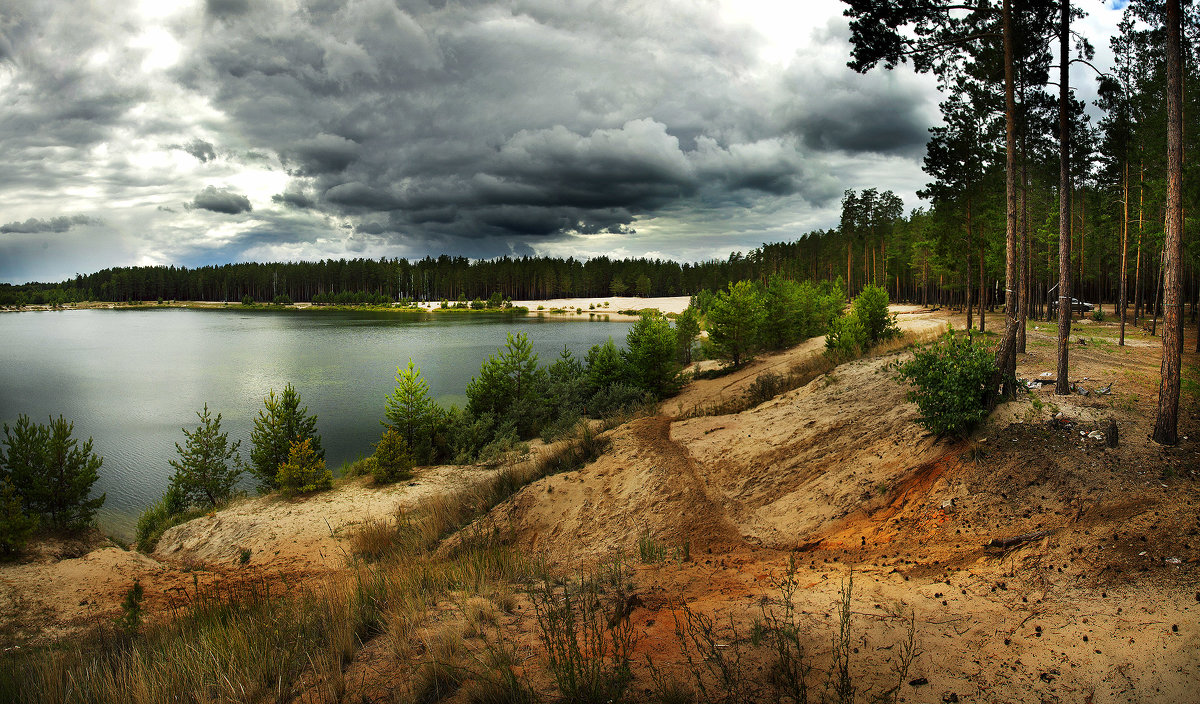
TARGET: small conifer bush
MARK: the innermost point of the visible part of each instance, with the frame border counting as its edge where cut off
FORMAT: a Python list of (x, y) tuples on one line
[(304, 471), (393, 460), (949, 383)]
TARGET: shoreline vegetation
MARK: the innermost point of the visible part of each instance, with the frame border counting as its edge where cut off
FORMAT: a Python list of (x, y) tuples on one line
[(587, 309)]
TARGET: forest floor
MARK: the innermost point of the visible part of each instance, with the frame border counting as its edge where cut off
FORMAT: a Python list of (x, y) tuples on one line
[(1101, 604)]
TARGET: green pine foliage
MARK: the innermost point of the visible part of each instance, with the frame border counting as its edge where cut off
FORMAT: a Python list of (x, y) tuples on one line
[(566, 394), (51, 472), (605, 366), (413, 414), (511, 386), (15, 524), (687, 327), (865, 325), (208, 467), (280, 424), (949, 382), (847, 337), (871, 308), (735, 321), (304, 471), (651, 355), (393, 459)]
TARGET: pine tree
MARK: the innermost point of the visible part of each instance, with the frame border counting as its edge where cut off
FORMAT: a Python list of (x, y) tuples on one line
[(510, 386), (687, 327), (15, 524), (51, 472), (411, 412), (735, 321), (280, 424), (650, 354), (208, 467), (303, 471)]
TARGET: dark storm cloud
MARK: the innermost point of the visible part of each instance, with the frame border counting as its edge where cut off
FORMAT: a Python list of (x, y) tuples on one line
[(202, 150), (474, 127), (226, 8), (499, 119), (61, 223), (325, 153), (835, 108), (850, 119), (221, 200)]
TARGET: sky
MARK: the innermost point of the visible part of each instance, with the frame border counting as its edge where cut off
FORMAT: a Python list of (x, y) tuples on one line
[(194, 132)]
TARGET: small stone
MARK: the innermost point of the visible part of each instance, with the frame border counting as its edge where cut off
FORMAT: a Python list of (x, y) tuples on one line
[(919, 682)]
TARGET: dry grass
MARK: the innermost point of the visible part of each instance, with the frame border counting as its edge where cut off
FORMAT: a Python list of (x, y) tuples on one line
[(769, 385)]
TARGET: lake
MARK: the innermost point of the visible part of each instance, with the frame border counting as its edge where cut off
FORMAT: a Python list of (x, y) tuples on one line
[(131, 379)]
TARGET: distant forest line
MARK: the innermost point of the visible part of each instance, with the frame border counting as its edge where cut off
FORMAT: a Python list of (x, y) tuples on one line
[(917, 257)]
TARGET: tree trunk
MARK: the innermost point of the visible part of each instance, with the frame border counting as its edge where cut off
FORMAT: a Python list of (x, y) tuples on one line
[(982, 288), (970, 242), (1124, 255), (1062, 387), (849, 288), (1137, 279), (1157, 287), (1167, 421), (1023, 287), (1006, 350)]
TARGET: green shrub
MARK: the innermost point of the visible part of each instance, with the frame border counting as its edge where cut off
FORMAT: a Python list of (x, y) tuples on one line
[(617, 398), (169, 511), (280, 424), (208, 466), (282, 300), (15, 525), (247, 300), (1098, 314), (847, 337), (393, 460), (304, 471), (51, 472), (950, 383), (871, 309), (765, 387), (413, 413), (735, 321), (650, 356)]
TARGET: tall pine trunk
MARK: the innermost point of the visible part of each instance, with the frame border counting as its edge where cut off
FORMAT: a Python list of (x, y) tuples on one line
[(1006, 359), (1063, 386), (1124, 253), (1167, 422)]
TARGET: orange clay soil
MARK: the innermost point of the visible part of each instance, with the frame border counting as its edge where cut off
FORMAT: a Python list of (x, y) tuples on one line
[(1101, 606)]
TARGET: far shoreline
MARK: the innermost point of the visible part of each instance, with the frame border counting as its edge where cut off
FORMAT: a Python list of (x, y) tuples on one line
[(611, 309)]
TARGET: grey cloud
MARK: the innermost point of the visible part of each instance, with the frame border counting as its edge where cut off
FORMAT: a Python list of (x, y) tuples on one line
[(325, 153), (486, 120), (202, 150), (220, 200), (294, 198), (61, 223), (833, 108), (226, 8), (477, 127)]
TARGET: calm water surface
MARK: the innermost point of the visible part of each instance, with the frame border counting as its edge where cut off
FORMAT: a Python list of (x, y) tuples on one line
[(131, 379)]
